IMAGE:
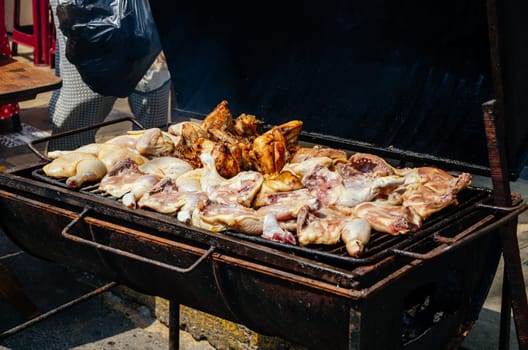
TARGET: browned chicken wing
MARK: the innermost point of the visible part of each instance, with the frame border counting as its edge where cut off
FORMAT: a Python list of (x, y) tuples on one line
[(269, 152), (248, 125), (219, 118)]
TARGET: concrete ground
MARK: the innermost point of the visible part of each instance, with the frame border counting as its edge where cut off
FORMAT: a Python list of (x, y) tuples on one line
[(111, 320)]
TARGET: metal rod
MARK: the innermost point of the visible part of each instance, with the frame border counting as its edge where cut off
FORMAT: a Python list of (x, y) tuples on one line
[(500, 208), (62, 307), (505, 317), (174, 325), (31, 144), (127, 254), (462, 238), (515, 290), (11, 255)]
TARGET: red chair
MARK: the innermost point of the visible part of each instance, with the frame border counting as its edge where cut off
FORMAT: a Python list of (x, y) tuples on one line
[(36, 34), (2, 14)]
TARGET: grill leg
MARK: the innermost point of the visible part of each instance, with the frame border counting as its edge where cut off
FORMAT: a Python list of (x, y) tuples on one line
[(174, 325), (516, 291), (505, 323)]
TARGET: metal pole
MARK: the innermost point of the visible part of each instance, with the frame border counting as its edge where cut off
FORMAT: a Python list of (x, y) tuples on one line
[(174, 325), (57, 310), (514, 292)]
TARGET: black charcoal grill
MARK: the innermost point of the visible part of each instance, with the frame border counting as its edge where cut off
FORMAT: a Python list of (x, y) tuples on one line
[(369, 77)]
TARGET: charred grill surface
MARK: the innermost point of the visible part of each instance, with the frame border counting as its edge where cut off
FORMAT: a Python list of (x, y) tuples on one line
[(384, 252), (405, 284)]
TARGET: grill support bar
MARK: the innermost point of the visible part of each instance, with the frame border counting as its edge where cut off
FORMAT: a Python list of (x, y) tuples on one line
[(513, 287), (62, 307), (174, 325)]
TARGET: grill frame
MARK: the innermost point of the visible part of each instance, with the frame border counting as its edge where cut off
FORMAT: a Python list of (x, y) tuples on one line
[(102, 236), (480, 199), (477, 198), (339, 305), (356, 305)]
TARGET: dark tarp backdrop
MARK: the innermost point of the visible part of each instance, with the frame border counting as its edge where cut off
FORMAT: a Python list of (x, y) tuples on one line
[(408, 74)]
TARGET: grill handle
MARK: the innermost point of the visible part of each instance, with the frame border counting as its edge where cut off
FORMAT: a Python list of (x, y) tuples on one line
[(31, 144), (66, 234), (467, 235)]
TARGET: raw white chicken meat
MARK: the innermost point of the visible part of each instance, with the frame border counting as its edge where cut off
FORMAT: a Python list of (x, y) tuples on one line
[(127, 182), (166, 167), (328, 186), (220, 217), (429, 190), (386, 217), (76, 167), (110, 154), (155, 142), (272, 231), (328, 227), (286, 205), (165, 198)]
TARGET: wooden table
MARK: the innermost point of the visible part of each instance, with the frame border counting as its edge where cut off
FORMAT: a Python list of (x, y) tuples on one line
[(20, 81)]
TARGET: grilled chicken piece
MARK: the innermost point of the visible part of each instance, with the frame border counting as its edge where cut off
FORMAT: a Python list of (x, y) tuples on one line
[(288, 208), (270, 152), (370, 164), (306, 153), (239, 148), (429, 190), (77, 167), (240, 189), (92, 148), (165, 198), (127, 182), (127, 140), (273, 149), (88, 170), (325, 227), (198, 140), (355, 233), (248, 125), (437, 179), (154, 142), (66, 165), (189, 131), (329, 187), (111, 155), (272, 231), (225, 136), (220, 217), (290, 130), (166, 167), (291, 199), (308, 166), (273, 183), (389, 218), (227, 157), (219, 118), (190, 181)]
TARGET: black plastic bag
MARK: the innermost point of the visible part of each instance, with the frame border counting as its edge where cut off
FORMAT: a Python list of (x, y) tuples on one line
[(111, 43)]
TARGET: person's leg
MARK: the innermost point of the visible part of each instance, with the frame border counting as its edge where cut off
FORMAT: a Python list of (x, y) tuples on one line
[(74, 105), (151, 108)]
